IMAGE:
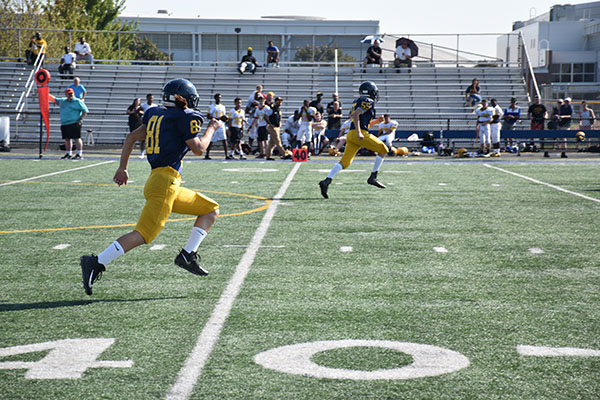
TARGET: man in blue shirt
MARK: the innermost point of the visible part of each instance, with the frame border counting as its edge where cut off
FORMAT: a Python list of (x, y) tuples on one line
[(78, 89), (72, 112), (170, 132), (272, 54)]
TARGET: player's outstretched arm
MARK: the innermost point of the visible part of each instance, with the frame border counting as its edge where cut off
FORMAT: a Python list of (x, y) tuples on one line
[(199, 145), (122, 176)]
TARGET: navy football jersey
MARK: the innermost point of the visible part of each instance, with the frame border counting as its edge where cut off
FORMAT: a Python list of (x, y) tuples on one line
[(167, 129), (367, 105)]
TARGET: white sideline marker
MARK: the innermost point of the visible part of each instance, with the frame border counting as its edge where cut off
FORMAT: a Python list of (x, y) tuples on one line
[(440, 249), (158, 247), (262, 247), (536, 250), (543, 351), (495, 184), (583, 196), (61, 246), (188, 375), (346, 249), (55, 173), (76, 181), (443, 184)]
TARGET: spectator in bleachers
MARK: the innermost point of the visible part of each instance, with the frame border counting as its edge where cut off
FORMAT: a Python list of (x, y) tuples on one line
[(67, 63), (78, 89), (149, 102), (84, 51), (248, 63), (472, 96), (272, 54), (373, 56), (538, 114), (565, 114), (587, 117), (335, 98), (512, 114), (37, 46), (135, 112), (288, 137), (319, 140), (274, 129), (317, 103), (235, 122), (334, 116), (402, 56)]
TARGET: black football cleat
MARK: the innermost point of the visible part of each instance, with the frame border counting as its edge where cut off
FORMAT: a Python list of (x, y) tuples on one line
[(189, 262), (324, 185), (373, 181), (91, 270)]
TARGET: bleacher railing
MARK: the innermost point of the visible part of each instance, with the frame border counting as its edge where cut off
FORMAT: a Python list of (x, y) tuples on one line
[(39, 60)]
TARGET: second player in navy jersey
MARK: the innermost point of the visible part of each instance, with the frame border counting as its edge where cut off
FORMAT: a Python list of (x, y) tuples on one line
[(362, 116), (169, 132)]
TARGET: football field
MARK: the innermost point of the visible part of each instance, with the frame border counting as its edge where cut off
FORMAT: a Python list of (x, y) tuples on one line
[(475, 279)]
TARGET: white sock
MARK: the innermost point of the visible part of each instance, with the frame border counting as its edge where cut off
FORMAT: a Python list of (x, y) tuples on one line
[(110, 253), (196, 237), (80, 152), (70, 152), (336, 168), (378, 162)]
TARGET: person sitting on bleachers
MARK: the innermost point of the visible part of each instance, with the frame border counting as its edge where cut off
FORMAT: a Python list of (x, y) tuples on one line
[(84, 51), (67, 63), (272, 54), (402, 56), (472, 96), (373, 56), (248, 63)]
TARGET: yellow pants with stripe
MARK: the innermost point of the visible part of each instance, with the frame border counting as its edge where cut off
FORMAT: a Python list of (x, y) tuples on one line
[(353, 144), (164, 195)]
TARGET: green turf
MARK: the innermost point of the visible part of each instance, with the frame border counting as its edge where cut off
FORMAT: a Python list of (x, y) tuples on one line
[(482, 298)]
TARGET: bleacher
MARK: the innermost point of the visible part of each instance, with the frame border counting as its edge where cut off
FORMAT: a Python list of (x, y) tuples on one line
[(426, 98)]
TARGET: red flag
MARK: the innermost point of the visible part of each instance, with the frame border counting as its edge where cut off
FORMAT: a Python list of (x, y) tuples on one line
[(42, 77)]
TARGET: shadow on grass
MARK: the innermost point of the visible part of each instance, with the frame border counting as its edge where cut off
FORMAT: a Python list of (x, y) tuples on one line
[(73, 303)]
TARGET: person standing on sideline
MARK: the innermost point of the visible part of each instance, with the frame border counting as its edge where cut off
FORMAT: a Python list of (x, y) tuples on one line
[(274, 130), (218, 112), (512, 114), (484, 118), (587, 117), (235, 122), (495, 128), (135, 112), (78, 89), (363, 117), (72, 112), (149, 102), (538, 114), (170, 133)]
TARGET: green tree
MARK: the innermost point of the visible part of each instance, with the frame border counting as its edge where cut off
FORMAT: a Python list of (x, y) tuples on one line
[(144, 49), (322, 53)]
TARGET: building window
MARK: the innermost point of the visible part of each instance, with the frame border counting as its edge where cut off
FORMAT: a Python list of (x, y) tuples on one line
[(573, 73)]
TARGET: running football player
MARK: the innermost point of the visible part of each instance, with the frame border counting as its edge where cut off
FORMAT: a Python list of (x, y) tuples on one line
[(169, 132), (363, 117)]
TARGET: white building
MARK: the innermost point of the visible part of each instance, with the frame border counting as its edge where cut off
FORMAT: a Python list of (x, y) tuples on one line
[(198, 39), (564, 48)]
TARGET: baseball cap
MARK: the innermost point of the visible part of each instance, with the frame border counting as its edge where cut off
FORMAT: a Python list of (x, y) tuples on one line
[(568, 99), (513, 99), (69, 90), (560, 100), (278, 98), (250, 48), (271, 93), (319, 93)]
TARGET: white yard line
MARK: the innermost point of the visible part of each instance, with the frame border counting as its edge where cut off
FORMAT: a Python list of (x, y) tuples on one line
[(55, 173), (583, 196), (189, 374)]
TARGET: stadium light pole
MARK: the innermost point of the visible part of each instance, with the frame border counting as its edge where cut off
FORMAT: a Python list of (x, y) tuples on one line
[(237, 31)]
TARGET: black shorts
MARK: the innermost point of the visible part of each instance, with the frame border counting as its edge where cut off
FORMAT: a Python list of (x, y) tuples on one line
[(72, 131), (262, 133), (235, 134)]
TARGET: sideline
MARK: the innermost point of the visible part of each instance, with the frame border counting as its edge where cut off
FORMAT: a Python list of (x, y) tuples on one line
[(55, 173), (583, 196), (189, 374)]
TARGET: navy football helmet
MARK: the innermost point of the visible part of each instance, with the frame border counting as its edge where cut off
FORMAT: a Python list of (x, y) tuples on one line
[(369, 89), (179, 92)]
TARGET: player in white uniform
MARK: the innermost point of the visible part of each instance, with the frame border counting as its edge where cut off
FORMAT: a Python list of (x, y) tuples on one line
[(495, 127), (387, 130), (262, 113), (484, 117), (292, 125), (304, 135), (235, 120), (319, 140), (218, 112)]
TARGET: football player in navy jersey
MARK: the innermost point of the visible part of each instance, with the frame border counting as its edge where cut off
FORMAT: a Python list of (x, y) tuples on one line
[(363, 117), (170, 132)]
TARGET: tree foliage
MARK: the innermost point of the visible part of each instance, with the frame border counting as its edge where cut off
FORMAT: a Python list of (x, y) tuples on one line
[(144, 49), (322, 53)]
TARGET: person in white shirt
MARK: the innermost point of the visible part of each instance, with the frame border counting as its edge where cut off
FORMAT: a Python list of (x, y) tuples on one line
[(84, 51), (484, 118), (387, 130), (235, 121), (67, 63), (253, 99), (340, 141), (495, 127), (263, 112), (402, 56), (319, 140), (149, 102), (304, 134), (292, 125), (218, 112)]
